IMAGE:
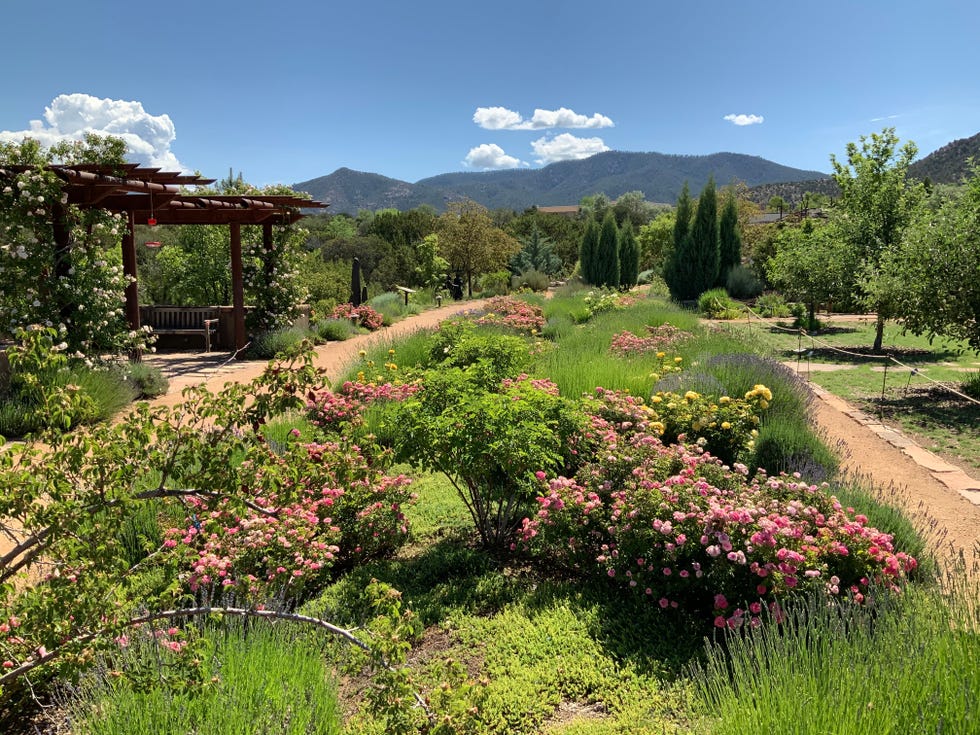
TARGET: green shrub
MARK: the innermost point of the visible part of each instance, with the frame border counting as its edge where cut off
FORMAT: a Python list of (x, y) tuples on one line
[(487, 357), (107, 388), (971, 386), (742, 283), (739, 372), (333, 330), (533, 280), (266, 345), (717, 304), (148, 380), (17, 419), (772, 305), (495, 284)]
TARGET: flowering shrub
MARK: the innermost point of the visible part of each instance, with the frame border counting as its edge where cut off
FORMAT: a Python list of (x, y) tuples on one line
[(60, 266), (271, 275), (672, 524), (264, 520), (663, 337), (726, 426), (487, 357), (365, 315), (326, 505), (513, 313), (598, 302)]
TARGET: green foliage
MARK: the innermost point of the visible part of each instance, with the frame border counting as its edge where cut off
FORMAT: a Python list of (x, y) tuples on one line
[(607, 254), (813, 265), (878, 664), (742, 283), (729, 240), (629, 259), (333, 330), (703, 241), (792, 446), (680, 272), (471, 243), (656, 241), (265, 680), (588, 253), (489, 441), (772, 305), (496, 283), (875, 206), (533, 280), (61, 264), (537, 255), (148, 380), (717, 304), (267, 345), (933, 272), (487, 357)]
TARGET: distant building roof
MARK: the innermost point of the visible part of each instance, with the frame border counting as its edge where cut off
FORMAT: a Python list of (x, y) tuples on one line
[(566, 209)]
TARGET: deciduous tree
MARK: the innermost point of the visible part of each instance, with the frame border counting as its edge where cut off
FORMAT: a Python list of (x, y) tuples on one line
[(471, 243), (876, 203)]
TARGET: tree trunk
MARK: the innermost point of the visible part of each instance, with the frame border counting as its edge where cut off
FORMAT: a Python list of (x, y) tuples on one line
[(879, 333)]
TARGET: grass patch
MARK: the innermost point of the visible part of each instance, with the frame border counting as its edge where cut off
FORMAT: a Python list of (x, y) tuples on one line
[(268, 680), (905, 665)]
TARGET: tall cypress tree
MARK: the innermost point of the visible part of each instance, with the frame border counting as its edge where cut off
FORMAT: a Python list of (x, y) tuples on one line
[(704, 241), (629, 258), (678, 269), (607, 253), (587, 253), (729, 239)]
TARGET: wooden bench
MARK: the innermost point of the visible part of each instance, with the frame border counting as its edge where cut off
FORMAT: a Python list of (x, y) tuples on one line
[(201, 320)]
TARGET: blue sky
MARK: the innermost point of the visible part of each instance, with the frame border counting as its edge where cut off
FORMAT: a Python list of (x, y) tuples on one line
[(285, 92)]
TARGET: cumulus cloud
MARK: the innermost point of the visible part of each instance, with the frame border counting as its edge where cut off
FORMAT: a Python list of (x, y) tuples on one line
[(566, 147), (500, 118), (70, 116), (491, 156), (741, 120)]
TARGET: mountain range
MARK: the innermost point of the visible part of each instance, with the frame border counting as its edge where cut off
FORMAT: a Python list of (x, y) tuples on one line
[(659, 176)]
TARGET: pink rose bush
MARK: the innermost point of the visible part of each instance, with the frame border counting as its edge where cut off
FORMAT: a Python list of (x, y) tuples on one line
[(327, 506), (516, 314), (365, 315), (662, 338), (674, 524)]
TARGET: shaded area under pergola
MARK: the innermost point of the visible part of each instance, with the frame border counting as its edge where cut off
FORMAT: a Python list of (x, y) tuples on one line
[(150, 196)]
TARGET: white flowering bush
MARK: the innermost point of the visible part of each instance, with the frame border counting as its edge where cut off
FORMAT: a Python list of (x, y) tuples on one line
[(60, 266), (272, 278)]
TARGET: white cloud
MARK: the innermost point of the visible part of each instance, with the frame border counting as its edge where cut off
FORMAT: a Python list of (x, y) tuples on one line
[(500, 118), (886, 117), (70, 116), (491, 155), (496, 118), (566, 147), (741, 120)]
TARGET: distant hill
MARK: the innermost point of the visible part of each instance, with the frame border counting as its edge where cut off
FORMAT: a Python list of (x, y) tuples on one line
[(659, 176), (947, 165)]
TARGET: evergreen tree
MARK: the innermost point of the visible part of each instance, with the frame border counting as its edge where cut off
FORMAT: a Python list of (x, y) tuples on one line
[(587, 253), (536, 255), (607, 253), (679, 269), (629, 258), (704, 241), (729, 239)]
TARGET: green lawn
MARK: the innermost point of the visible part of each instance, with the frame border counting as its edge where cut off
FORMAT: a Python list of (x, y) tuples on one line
[(904, 395)]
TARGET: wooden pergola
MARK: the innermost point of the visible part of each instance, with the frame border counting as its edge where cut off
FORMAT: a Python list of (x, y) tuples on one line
[(150, 196)]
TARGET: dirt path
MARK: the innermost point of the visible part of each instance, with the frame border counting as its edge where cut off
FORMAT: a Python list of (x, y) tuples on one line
[(333, 357), (937, 494)]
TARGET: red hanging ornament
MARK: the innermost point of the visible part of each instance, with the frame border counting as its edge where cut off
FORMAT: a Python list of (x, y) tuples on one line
[(151, 221)]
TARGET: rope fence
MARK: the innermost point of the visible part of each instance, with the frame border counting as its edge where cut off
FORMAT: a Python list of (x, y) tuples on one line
[(888, 359)]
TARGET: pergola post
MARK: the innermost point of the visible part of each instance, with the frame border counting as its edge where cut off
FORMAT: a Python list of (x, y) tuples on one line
[(129, 269), (237, 287)]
